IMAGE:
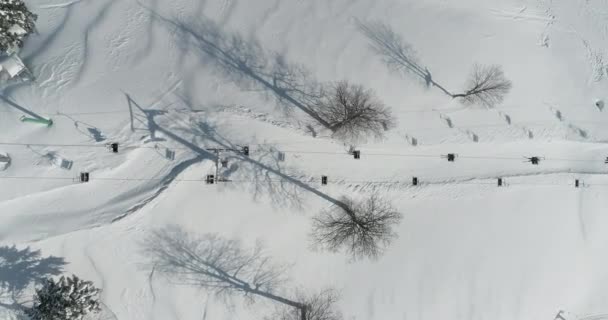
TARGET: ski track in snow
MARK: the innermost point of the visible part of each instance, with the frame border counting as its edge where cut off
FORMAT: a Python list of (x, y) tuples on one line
[(263, 117), (141, 15), (519, 15), (57, 74), (60, 5), (102, 280), (86, 51), (544, 38), (171, 89), (163, 185), (580, 213), (154, 297), (151, 285)]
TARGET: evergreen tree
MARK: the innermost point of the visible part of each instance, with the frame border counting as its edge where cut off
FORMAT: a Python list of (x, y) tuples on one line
[(16, 22), (66, 299)]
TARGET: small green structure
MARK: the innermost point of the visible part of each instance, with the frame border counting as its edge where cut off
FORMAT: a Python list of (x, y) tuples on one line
[(46, 122)]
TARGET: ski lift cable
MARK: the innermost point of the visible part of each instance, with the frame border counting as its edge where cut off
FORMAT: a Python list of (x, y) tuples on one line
[(303, 152), (315, 180), (594, 317)]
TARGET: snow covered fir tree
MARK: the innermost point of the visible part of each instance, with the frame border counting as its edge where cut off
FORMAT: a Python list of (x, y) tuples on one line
[(16, 23), (68, 298)]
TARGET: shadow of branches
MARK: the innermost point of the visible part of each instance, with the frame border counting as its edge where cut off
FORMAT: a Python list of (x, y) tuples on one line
[(22, 268), (281, 192), (362, 228), (247, 64), (396, 53), (486, 85), (284, 188), (221, 265), (227, 268), (261, 170)]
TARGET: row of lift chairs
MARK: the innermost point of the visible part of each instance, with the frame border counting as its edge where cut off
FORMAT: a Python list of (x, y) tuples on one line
[(211, 179)]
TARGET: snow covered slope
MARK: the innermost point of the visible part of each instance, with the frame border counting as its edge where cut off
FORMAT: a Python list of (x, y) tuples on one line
[(168, 80)]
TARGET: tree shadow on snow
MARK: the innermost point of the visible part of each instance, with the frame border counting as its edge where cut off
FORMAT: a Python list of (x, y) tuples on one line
[(22, 268), (396, 53), (262, 169), (51, 35), (247, 64), (97, 20)]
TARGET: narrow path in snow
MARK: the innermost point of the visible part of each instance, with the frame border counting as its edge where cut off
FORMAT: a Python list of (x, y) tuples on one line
[(60, 5), (97, 272), (581, 212)]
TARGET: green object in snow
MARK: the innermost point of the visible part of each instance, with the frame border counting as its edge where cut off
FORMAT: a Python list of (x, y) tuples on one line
[(48, 122)]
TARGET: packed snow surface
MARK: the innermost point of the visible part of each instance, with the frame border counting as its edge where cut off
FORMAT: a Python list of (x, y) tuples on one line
[(168, 80)]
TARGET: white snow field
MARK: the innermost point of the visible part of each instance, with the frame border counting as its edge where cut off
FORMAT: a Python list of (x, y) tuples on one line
[(169, 79)]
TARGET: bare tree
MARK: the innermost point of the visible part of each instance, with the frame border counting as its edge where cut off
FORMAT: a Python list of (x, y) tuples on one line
[(354, 113), (487, 85), (320, 306), (217, 264), (16, 24), (244, 61), (361, 228)]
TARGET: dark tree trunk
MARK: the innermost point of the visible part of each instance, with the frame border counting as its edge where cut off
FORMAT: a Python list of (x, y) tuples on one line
[(300, 306)]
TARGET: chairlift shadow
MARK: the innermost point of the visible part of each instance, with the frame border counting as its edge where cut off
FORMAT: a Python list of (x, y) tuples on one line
[(54, 159)]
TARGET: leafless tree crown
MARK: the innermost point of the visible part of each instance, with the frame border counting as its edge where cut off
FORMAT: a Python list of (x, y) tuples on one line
[(319, 306), (354, 113), (361, 228), (487, 85), (225, 268)]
